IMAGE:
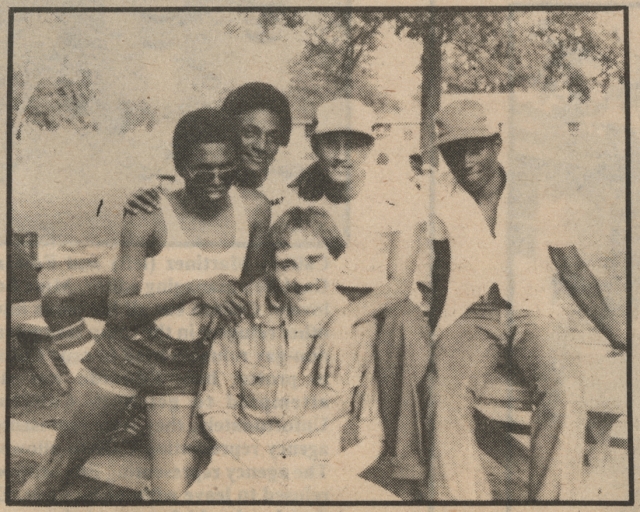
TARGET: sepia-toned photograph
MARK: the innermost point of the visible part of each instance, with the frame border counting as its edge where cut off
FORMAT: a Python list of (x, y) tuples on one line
[(345, 255)]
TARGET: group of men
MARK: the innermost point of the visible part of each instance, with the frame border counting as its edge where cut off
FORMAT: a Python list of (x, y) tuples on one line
[(268, 352)]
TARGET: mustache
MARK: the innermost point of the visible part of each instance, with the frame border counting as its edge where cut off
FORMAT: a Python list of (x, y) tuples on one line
[(299, 288)]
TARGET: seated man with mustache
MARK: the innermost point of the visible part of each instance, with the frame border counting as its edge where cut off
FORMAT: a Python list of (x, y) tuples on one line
[(280, 434)]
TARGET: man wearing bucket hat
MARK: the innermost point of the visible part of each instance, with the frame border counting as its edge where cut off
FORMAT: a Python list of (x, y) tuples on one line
[(382, 224), (499, 303)]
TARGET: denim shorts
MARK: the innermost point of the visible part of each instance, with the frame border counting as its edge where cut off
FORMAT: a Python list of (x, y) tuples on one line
[(148, 362)]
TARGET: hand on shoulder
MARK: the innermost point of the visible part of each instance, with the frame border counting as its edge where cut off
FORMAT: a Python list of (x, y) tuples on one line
[(257, 205)]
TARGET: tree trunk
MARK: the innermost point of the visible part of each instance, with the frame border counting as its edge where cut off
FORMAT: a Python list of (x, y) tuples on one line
[(431, 65)]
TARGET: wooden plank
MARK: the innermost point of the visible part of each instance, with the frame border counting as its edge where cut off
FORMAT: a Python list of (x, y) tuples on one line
[(118, 466), (53, 263), (504, 414), (24, 311), (496, 412), (37, 325), (603, 376)]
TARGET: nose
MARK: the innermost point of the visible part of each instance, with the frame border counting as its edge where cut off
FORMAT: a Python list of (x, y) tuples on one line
[(304, 275), (469, 160), (216, 179), (260, 142), (342, 150)]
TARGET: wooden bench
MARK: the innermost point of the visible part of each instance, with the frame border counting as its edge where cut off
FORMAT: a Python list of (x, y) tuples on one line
[(504, 398), (34, 335), (117, 466)]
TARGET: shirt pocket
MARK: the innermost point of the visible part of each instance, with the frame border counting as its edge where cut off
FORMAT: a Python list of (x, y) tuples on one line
[(260, 386)]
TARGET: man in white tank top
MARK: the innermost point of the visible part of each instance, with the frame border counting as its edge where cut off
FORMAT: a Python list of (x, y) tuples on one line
[(188, 260), (262, 117)]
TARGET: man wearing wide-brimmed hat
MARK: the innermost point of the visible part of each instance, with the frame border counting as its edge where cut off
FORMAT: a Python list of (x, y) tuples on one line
[(505, 240)]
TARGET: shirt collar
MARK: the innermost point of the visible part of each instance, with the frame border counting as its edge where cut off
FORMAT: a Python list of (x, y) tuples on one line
[(312, 182)]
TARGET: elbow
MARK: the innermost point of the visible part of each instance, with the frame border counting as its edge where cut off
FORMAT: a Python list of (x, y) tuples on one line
[(118, 314)]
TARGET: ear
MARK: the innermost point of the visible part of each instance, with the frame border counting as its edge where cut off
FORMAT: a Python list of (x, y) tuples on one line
[(314, 144), (497, 145)]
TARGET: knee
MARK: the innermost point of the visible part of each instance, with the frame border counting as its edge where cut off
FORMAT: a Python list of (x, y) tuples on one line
[(57, 306), (565, 394), (405, 322)]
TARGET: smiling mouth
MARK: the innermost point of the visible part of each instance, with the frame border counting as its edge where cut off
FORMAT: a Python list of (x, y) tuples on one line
[(213, 190), (472, 174), (256, 159)]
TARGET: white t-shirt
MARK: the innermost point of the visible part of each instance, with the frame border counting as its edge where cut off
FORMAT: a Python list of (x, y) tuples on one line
[(382, 207), (517, 259)]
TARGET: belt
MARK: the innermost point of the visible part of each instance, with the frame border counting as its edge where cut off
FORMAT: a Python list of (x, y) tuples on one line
[(168, 347)]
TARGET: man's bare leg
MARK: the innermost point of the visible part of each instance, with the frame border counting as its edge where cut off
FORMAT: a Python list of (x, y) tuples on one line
[(91, 412)]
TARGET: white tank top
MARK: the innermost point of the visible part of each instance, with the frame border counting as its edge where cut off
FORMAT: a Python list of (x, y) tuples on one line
[(180, 262)]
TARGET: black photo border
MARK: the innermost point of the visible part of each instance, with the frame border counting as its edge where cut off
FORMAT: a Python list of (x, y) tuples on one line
[(12, 11)]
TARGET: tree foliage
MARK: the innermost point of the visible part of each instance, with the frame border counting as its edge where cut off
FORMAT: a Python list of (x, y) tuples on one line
[(504, 51), (463, 51), (507, 51), (334, 61), (62, 103), (138, 114)]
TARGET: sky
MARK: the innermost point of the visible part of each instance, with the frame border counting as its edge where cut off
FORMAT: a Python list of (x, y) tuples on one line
[(181, 61), (176, 61)]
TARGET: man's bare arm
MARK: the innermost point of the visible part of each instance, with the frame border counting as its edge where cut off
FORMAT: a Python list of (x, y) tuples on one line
[(259, 216), (130, 309), (585, 290), (401, 264)]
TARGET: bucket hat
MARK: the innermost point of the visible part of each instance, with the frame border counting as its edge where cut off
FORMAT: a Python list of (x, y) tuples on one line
[(462, 119)]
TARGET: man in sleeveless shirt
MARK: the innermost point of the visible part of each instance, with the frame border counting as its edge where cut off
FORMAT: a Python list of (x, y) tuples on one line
[(177, 271), (263, 116)]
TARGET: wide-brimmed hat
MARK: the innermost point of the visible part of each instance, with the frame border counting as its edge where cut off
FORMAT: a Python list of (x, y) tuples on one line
[(344, 115), (462, 119)]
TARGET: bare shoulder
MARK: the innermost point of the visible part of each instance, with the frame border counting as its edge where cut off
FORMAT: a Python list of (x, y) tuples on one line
[(141, 228), (257, 205)]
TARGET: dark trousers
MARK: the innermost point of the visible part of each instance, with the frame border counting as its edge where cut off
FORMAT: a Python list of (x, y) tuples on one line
[(402, 354)]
